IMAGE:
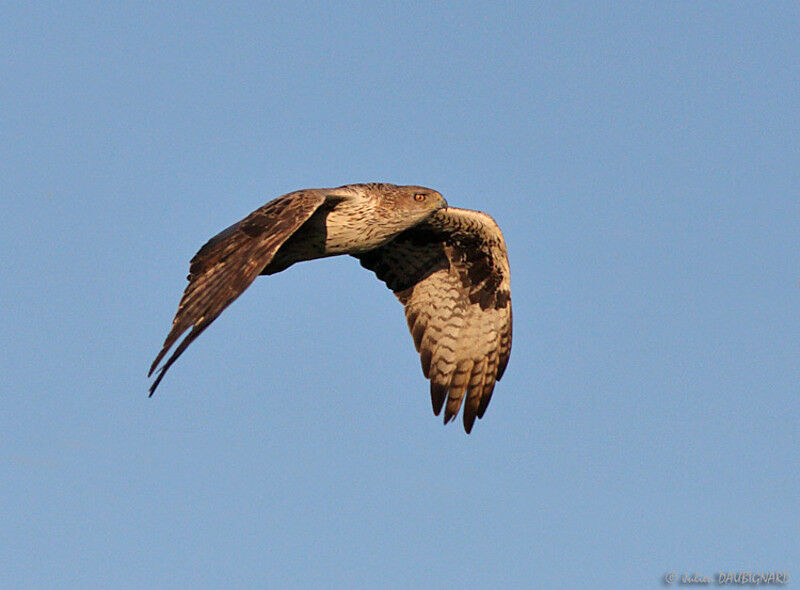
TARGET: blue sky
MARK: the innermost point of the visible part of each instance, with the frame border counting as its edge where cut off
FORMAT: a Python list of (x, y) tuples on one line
[(642, 160)]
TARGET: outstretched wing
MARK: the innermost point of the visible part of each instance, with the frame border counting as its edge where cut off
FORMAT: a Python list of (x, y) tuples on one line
[(451, 274), (227, 264)]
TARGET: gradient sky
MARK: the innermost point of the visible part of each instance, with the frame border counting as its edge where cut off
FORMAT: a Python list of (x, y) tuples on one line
[(643, 160)]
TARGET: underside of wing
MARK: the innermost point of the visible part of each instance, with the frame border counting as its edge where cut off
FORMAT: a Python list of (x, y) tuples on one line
[(451, 273), (229, 262)]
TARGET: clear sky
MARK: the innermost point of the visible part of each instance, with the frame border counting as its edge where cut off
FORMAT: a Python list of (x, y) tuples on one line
[(643, 160)]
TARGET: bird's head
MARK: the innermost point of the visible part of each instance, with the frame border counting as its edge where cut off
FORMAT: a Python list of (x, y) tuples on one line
[(419, 200), (402, 206)]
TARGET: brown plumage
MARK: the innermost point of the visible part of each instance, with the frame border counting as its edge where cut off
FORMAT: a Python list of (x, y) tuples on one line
[(447, 266)]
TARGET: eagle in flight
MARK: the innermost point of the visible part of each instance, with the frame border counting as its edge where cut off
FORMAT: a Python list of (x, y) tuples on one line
[(447, 266)]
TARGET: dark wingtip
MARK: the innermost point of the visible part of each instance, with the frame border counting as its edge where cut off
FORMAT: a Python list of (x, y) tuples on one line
[(485, 399), (438, 395), (167, 345), (469, 416), (156, 382), (468, 422), (196, 330), (153, 368)]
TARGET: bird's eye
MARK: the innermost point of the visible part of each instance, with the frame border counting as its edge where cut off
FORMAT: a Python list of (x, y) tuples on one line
[(419, 197)]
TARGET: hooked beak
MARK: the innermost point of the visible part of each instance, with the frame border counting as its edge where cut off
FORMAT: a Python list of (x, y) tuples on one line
[(442, 202)]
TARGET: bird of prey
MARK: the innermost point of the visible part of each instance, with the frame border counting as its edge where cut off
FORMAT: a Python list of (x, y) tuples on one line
[(447, 266)]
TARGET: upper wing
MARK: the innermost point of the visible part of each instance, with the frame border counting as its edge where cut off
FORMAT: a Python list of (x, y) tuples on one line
[(226, 265), (451, 274)]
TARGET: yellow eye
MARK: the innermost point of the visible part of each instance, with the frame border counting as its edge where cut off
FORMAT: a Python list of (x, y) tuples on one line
[(419, 197)]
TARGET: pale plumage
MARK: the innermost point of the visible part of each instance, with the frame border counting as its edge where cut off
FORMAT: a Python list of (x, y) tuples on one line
[(447, 266)]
